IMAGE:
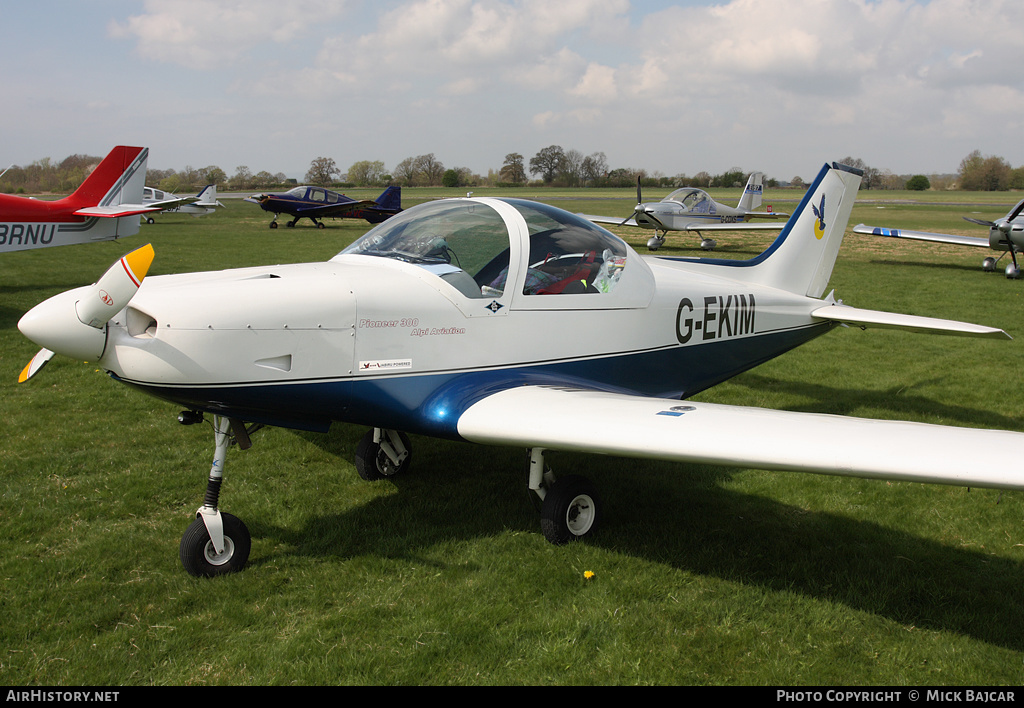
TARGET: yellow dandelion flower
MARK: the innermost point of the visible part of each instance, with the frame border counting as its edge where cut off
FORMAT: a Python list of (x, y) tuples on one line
[(588, 574)]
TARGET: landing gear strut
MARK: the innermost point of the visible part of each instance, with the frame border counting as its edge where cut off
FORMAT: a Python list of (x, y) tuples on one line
[(216, 543), (569, 505), (383, 453)]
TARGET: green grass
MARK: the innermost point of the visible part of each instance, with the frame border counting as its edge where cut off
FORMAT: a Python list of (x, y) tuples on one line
[(703, 575)]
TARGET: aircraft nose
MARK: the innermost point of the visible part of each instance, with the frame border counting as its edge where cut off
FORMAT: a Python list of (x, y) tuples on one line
[(73, 323), (55, 325)]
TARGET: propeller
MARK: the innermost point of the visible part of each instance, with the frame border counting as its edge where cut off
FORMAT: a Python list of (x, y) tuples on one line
[(73, 323), (1004, 226), (639, 201)]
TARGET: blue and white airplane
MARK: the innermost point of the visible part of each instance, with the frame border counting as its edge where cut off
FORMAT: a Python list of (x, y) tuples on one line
[(317, 203), (487, 320), (205, 202), (1005, 235), (693, 209)]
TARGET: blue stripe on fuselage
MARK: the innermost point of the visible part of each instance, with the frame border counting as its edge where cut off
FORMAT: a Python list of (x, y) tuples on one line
[(431, 404)]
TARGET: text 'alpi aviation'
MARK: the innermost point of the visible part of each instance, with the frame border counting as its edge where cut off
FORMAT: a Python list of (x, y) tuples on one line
[(693, 209), (316, 203), (507, 322), (1006, 235), (105, 207)]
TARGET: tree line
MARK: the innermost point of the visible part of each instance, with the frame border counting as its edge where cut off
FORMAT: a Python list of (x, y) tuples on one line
[(552, 166)]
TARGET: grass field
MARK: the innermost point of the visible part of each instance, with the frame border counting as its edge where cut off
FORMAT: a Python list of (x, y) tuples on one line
[(702, 575)]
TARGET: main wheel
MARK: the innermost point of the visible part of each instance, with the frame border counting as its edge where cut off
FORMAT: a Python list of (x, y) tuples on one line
[(570, 510), (201, 559), (372, 463)]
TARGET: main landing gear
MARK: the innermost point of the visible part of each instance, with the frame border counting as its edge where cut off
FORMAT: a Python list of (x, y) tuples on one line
[(218, 543), (291, 224), (657, 241)]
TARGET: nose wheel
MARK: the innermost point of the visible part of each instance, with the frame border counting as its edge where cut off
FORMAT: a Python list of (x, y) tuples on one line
[(216, 543)]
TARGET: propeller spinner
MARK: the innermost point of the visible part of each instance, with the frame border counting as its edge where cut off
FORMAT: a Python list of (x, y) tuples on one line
[(73, 323)]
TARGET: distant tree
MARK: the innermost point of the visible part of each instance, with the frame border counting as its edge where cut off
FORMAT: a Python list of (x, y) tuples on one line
[(978, 173), (366, 173), (429, 170), (919, 183), (405, 172), (594, 168), (701, 179), (242, 178), (451, 178), (734, 177), (512, 170), (1017, 178), (213, 175), (322, 171), (547, 163)]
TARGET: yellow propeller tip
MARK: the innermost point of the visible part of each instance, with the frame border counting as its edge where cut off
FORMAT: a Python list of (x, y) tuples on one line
[(139, 260)]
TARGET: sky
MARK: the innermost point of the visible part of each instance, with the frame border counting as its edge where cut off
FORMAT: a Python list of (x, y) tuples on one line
[(669, 87)]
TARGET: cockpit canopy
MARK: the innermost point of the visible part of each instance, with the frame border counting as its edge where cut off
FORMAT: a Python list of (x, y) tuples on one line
[(692, 199), (470, 244), (315, 194)]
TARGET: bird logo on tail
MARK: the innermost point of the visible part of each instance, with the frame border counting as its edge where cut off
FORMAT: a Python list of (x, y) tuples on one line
[(819, 213)]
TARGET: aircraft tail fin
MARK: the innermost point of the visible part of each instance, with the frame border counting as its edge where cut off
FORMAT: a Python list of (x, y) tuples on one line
[(118, 179), (208, 196), (391, 199), (802, 257), (751, 198)]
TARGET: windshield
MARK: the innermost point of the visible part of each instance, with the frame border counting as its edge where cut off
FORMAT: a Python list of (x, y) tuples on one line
[(691, 199), (466, 243)]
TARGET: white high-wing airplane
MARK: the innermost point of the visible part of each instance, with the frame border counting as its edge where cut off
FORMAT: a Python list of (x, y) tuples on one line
[(693, 209), (105, 207), (205, 202), (508, 322), (1006, 235)]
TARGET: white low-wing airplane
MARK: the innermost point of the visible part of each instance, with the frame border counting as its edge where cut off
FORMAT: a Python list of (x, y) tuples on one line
[(487, 320), (1005, 235), (693, 209), (105, 207), (205, 202)]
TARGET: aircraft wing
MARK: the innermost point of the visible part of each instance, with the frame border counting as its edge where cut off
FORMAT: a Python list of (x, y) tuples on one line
[(922, 236), (582, 420), (115, 210), (173, 203), (617, 221), (694, 225), (737, 226)]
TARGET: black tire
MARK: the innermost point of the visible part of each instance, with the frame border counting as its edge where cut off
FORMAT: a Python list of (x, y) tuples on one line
[(201, 560), (570, 510), (371, 462)]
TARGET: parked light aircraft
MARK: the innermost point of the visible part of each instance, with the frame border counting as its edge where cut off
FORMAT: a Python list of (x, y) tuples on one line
[(507, 322), (105, 207), (1006, 235), (205, 202), (693, 209), (317, 203)]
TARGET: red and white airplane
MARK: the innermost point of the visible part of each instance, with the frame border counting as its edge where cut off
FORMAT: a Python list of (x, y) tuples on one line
[(106, 207)]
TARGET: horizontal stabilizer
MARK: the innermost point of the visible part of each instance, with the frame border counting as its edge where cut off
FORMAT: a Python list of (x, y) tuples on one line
[(114, 211), (857, 317)]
